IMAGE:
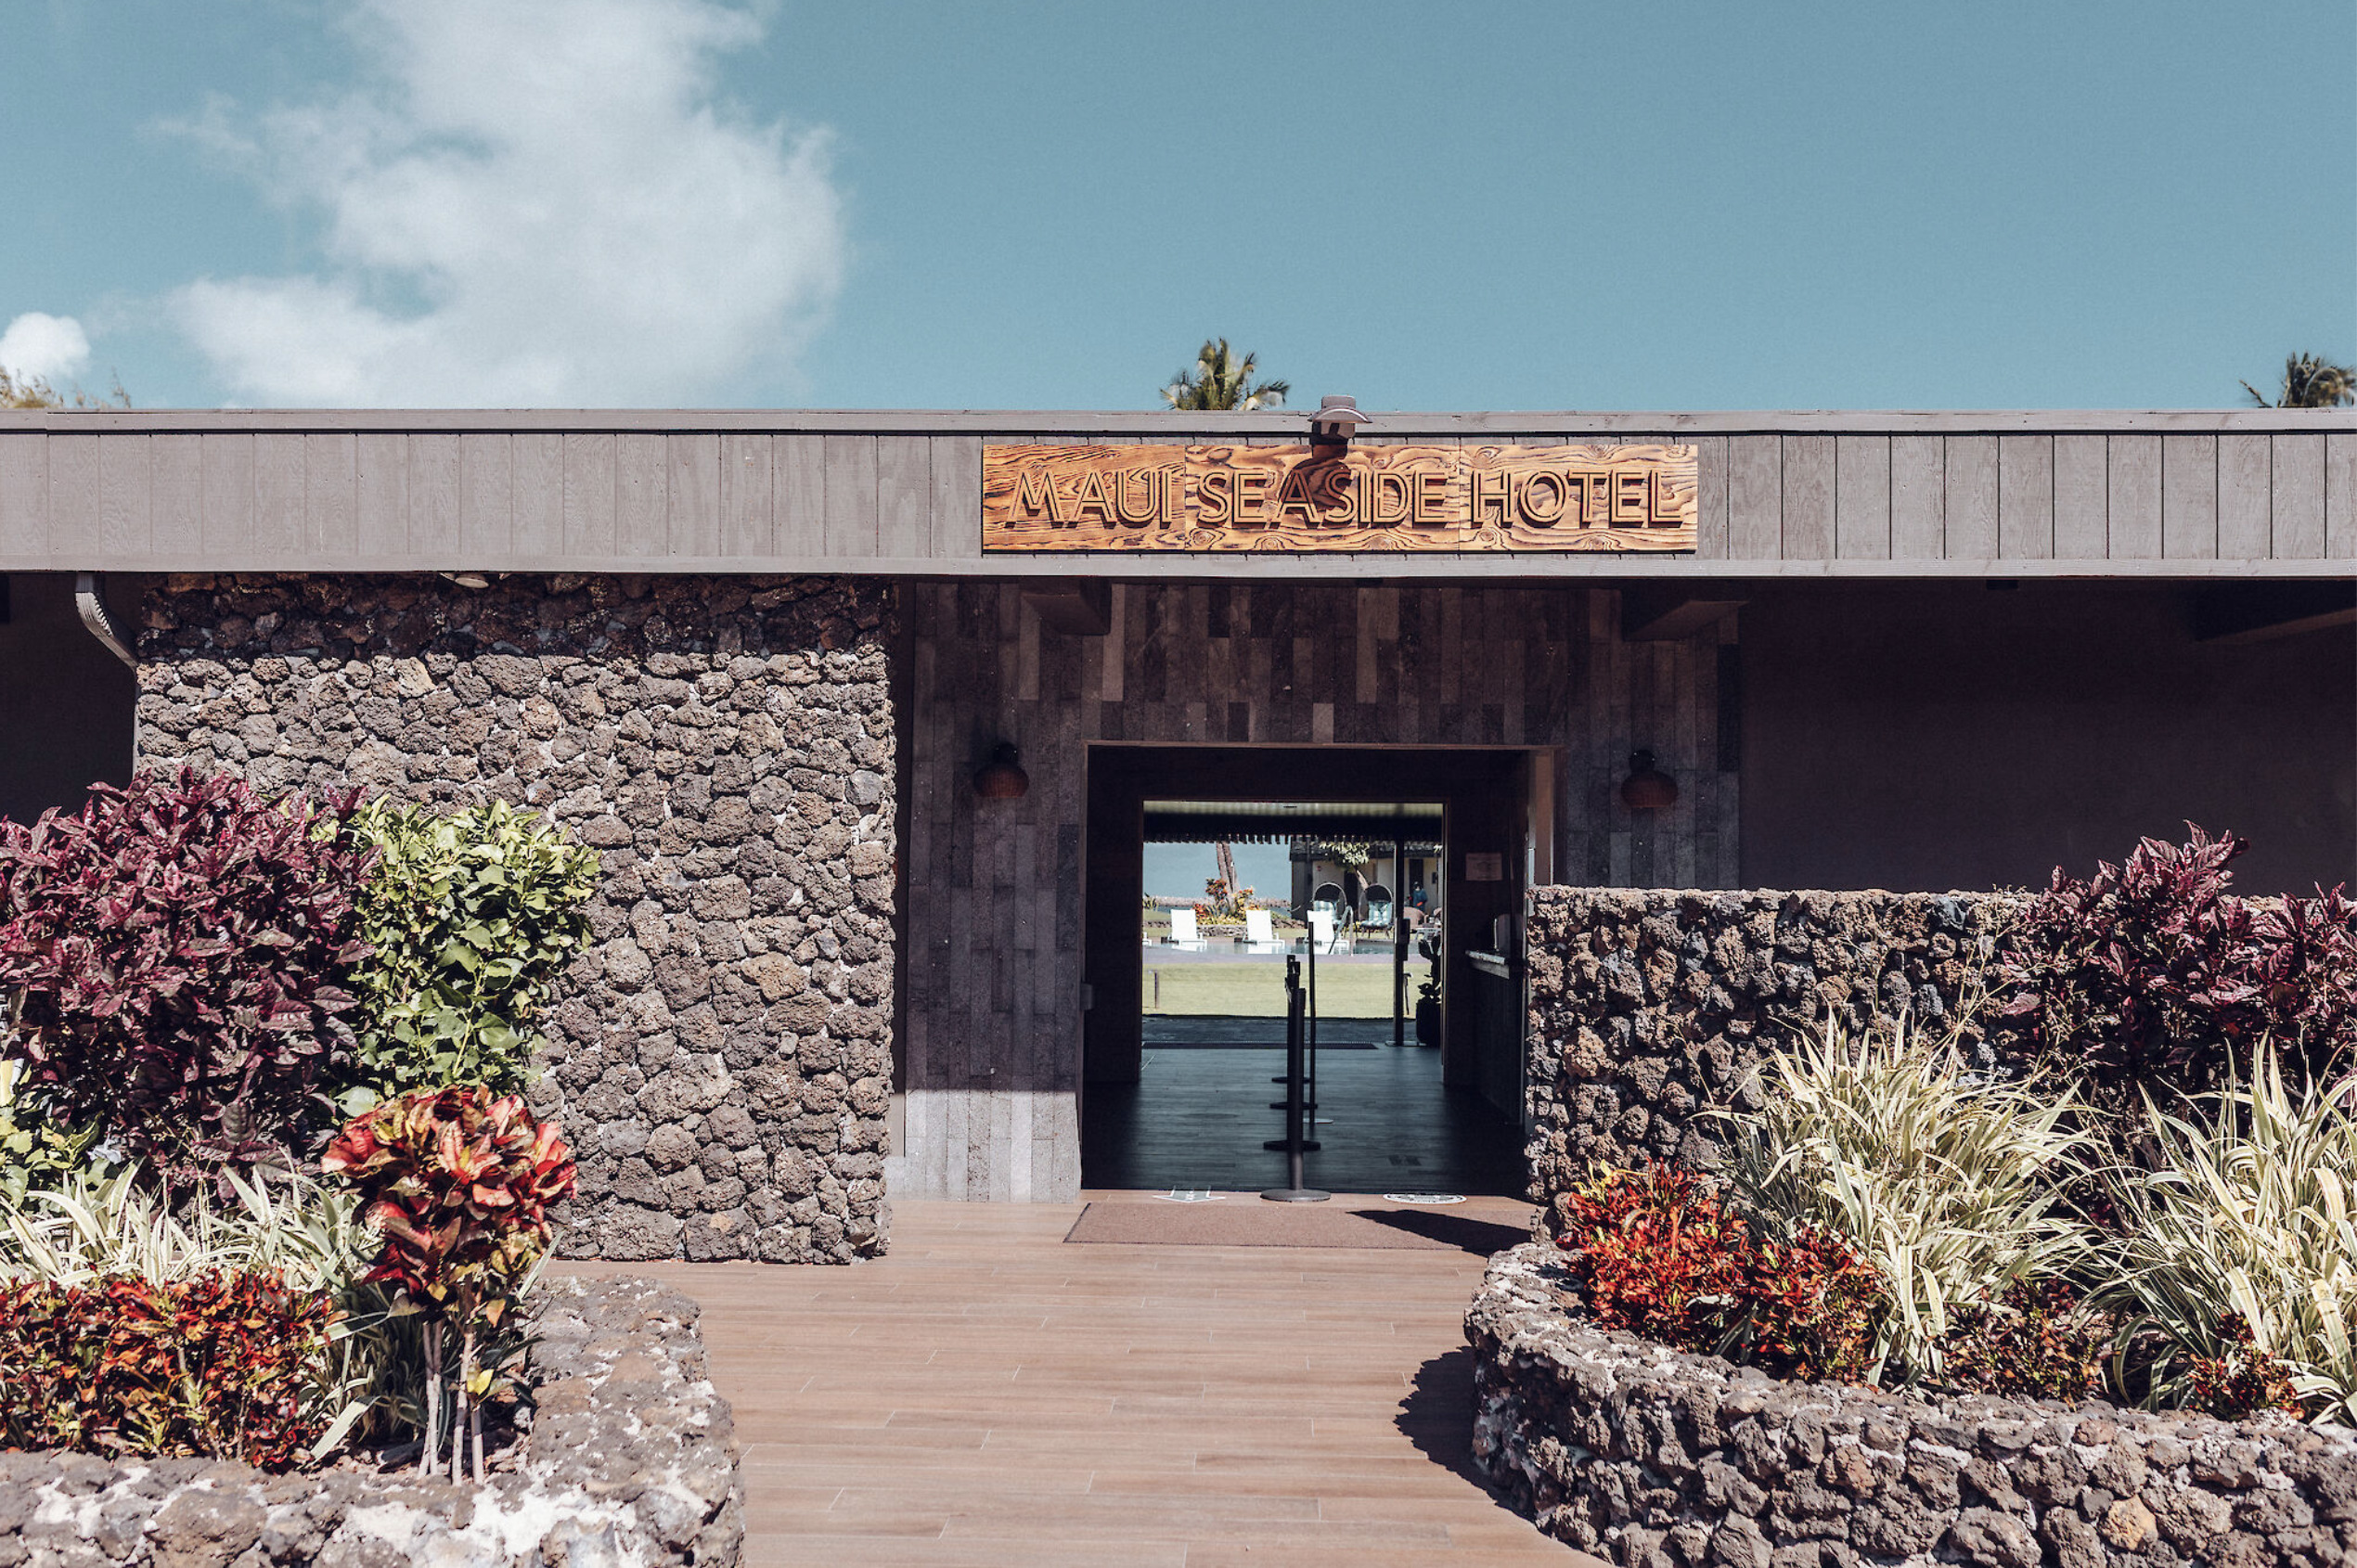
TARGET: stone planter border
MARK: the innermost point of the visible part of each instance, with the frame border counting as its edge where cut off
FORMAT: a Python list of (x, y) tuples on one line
[(1657, 1460), (631, 1463)]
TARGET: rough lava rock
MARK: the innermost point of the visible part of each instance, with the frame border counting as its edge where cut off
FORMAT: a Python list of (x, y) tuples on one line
[(1652, 1458), (631, 1462), (723, 1059), (1649, 1009)]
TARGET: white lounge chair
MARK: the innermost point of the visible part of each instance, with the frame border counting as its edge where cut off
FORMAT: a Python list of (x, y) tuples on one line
[(1182, 930), (1260, 932)]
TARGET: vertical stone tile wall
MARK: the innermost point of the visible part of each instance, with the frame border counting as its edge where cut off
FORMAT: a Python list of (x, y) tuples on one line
[(721, 1058), (1649, 1009), (993, 1048)]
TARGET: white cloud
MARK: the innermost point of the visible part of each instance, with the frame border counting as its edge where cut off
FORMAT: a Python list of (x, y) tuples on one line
[(537, 202), (53, 348)]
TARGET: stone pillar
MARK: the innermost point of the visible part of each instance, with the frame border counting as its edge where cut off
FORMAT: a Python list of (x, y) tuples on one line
[(721, 1058)]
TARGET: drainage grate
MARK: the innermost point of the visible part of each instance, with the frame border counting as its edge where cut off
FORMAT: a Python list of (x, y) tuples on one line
[(1188, 1195), (1429, 1199)]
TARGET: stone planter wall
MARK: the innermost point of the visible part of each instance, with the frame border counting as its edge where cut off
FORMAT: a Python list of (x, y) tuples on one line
[(1649, 1007), (722, 1063), (1654, 1459), (632, 1460)]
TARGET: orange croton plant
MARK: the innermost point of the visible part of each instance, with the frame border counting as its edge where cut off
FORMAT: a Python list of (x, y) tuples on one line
[(458, 1183)]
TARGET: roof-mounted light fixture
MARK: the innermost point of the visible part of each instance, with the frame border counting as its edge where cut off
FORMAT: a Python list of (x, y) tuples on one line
[(1336, 420)]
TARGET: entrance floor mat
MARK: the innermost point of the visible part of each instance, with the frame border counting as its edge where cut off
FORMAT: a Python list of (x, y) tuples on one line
[(1355, 1223)]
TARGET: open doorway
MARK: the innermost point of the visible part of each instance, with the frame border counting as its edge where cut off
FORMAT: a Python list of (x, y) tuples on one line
[(1208, 867), (1234, 888)]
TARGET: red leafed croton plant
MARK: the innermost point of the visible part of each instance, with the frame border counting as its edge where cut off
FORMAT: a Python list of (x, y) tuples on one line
[(459, 1183)]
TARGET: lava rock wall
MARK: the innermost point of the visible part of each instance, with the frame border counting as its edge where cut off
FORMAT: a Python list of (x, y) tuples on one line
[(721, 1055), (1649, 1009)]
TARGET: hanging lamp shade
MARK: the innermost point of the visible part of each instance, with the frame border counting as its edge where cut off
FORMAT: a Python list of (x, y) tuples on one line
[(1647, 788), (1002, 778)]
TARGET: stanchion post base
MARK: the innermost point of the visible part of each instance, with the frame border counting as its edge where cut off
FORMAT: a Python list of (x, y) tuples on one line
[(1296, 1195)]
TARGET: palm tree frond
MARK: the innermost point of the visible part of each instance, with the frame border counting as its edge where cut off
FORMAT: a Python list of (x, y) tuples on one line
[(1220, 383), (2311, 382)]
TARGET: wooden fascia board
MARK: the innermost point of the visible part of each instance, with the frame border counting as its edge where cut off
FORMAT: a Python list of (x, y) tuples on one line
[(1603, 571)]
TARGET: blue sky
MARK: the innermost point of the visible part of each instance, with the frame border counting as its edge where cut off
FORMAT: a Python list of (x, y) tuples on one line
[(1545, 206)]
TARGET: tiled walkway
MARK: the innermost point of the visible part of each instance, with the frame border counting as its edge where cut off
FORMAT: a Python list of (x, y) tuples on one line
[(1196, 1118), (987, 1395)]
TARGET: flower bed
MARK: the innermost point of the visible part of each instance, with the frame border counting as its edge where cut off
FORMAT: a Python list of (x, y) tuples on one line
[(202, 991), (630, 1459), (1914, 1297), (1649, 1456)]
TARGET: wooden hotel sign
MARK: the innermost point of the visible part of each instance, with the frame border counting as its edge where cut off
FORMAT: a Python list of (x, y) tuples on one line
[(1364, 497)]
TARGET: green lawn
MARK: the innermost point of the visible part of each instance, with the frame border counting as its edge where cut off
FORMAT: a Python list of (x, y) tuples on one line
[(1257, 989)]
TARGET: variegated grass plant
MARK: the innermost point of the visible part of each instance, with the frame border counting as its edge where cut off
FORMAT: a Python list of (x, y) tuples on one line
[(2248, 1216), (92, 1225), (1947, 1180)]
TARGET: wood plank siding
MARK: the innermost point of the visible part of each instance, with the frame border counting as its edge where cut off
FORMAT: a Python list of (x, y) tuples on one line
[(2259, 493)]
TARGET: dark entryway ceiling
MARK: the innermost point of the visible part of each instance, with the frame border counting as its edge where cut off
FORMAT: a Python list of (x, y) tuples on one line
[(1203, 822)]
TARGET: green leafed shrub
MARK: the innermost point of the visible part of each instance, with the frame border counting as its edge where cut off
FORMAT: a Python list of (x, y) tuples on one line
[(229, 1363), (1946, 1181), (470, 918), (36, 1149), (2238, 1254)]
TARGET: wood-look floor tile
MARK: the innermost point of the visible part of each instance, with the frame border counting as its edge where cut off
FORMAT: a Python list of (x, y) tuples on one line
[(988, 1395), (819, 1550)]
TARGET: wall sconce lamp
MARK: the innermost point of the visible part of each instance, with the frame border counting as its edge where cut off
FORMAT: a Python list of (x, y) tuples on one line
[(1002, 778), (1336, 420), (1647, 788)]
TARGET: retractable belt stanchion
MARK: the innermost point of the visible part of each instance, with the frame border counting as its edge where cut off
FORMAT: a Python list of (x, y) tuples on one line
[(1309, 1044), (1296, 1110), (1310, 1103)]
